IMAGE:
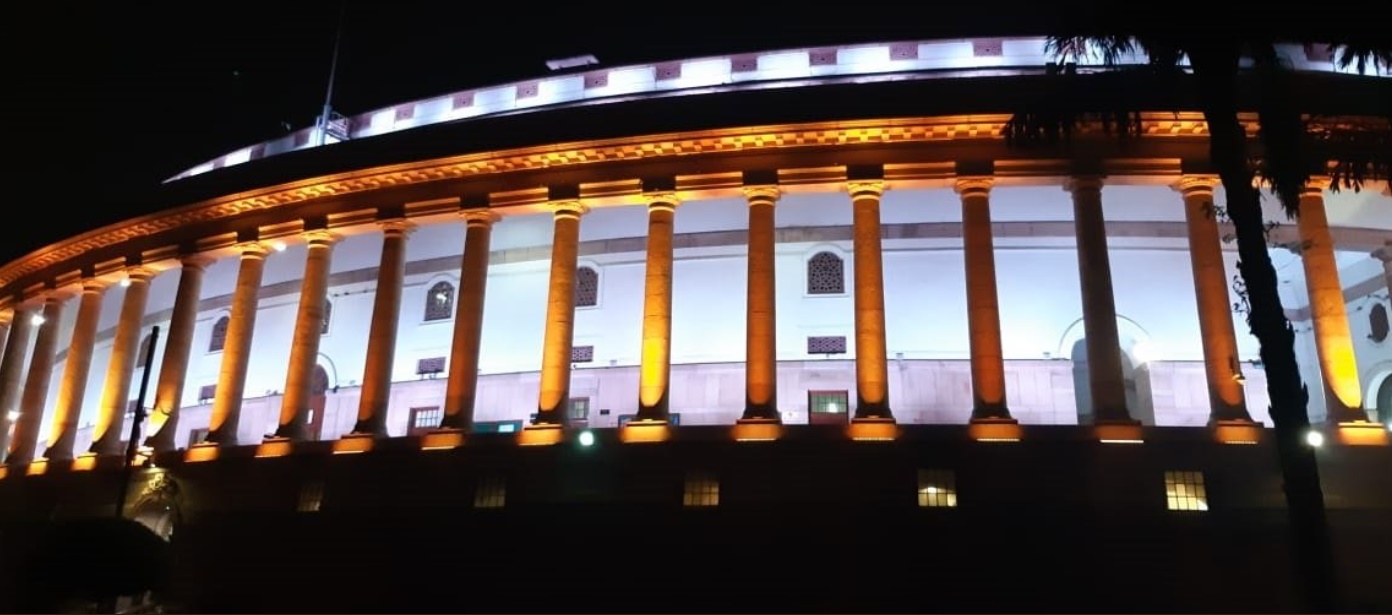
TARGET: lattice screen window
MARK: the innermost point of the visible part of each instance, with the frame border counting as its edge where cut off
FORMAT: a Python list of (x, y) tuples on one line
[(826, 344), (328, 315), (206, 393), (937, 489), (586, 287), (430, 366), (491, 492), (219, 337), (144, 351), (702, 489), (581, 354), (311, 496), (439, 302), (1185, 491), (826, 274)]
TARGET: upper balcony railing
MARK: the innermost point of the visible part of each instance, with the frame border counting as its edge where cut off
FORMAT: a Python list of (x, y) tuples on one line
[(962, 58)]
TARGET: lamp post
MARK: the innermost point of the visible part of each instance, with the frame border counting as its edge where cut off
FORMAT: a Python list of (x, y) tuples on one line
[(133, 445)]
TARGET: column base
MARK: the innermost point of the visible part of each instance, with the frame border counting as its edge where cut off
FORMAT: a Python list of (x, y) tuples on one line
[(1362, 433), (36, 467), (757, 430), (643, 431), (353, 443), (995, 430), (202, 451), (442, 439), (874, 429), (1118, 432), (542, 434), (275, 446), (84, 462), (1237, 432)]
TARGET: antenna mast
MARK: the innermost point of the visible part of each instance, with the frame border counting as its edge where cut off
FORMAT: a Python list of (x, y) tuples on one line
[(326, 117)]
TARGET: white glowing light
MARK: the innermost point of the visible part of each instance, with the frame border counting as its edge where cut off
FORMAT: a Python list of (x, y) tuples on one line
[(37, 320), (586, 438), (125, 282), (13, 415), (278, 246), (1314, 438)]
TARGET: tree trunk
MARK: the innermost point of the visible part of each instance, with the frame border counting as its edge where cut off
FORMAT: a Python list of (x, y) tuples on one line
[(1311, 550)]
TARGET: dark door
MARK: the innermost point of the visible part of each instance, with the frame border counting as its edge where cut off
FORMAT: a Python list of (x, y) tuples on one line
[(318, 398)]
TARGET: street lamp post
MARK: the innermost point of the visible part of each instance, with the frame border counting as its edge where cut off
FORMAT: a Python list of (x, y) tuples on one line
[(133, 445)]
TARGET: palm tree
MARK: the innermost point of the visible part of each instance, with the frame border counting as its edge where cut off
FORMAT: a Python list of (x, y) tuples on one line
[(1289, 148)]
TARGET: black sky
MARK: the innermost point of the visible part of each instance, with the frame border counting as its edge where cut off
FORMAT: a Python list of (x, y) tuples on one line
[(106, 101)]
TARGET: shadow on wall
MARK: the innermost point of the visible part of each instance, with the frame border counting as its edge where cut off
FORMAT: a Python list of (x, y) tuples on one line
[(79, 565)]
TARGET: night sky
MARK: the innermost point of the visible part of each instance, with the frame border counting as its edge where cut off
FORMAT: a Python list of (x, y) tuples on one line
[(105, 102)]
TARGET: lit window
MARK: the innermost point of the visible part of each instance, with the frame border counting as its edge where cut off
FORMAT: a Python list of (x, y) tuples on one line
[(702, 489), (579, 409), (425, 419), (1185, 491), (937, 488), (219, 337), (828, 402), (586, 287), (826, 274), (491, 492), (439, 302), (328, 313), (311, 496)]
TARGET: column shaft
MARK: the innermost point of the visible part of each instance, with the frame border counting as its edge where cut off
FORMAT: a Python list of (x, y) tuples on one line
[(871, 356), (560, 316), (12, 372), (169, 390), (983, 309), (462, 388), (1333, 339), (761, 343), (76, 368), (381, 336), (1227, 401), (1103, 343), (106, 438), (236, 350), (31, 405), (304, 344), (654, 373)]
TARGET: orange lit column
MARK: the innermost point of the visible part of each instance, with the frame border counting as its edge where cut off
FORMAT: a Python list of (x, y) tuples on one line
[(761, 334), (169, 391), (76, 367), (381, 336), (12, 371), (1103, 343), (654, 374), (304, 343), (4, 337), (1227, 402), (236, 351), (31, 405), (462, 388), (560, 315), (1333, 340), (106, 438), (872, 362), (983, 309)]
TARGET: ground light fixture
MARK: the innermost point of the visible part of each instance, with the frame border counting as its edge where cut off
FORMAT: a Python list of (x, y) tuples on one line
[(1314, 438), (586, 438)]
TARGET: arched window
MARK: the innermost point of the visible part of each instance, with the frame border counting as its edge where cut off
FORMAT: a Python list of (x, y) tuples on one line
[(439, 302), (826, 274), (328, 314), (586, 287), (219, 337), (144, 351)]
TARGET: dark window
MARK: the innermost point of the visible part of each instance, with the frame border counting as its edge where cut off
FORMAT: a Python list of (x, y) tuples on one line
[(586, 287), (1377, 323), (197, 435), (206, 393), (328, 314), (702, 489), (581, 354), (826, 344), (439, 302), (491, 492), (826, 274), (219, 337), (430, 367)]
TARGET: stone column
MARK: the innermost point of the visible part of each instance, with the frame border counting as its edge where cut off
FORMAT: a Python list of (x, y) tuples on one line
[(1384, 254), (31, 405), (1105, 379), (462, 387), (169, 390), (73, 388), (1333, 339), (761, 334), (560, 315), (871, 360), (381, 335), (304, 343), (983, 308), (12, 372), (1227, 401), (106, 438), (4, 337), (236, 351), (654, 373)]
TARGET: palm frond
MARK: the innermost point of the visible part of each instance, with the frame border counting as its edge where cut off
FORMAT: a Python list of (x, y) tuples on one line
[(1363, 55), (1109, 49)]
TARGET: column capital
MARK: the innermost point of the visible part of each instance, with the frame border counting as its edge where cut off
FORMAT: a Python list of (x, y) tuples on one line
[(974, 185), (567, 209), (396, 226), (138, 274), (859, 188), (661, 200), (321, 238), (94, 285), (762, 195), (1316, 186), (197, 260), (482, 217), (253, 250), (1196, 184), (1083, 182)]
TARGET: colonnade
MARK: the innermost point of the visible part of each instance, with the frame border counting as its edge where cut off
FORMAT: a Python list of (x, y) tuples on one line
[(23, 392)]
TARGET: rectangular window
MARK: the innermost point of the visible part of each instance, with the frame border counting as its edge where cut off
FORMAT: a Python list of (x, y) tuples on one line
[(491, 492), (197, 435), (579, 409), (826, 344), (702, 489), (828, 402), (1185, 491), (497, 426), (424, 419), (937, 488), (430, 367), (206, 393), (582, 354), (311, 496)]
